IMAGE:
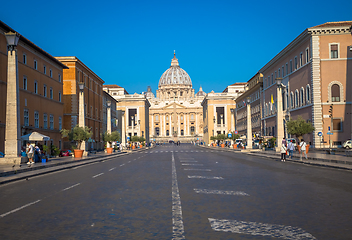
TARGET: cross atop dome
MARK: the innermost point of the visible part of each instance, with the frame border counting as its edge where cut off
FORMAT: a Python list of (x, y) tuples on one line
[(174, 61)]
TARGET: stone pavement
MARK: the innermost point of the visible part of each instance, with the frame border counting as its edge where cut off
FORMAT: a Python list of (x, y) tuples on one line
[(317, 158), (10, 172)]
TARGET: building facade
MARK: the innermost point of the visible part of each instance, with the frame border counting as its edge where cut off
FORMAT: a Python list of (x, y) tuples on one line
[(252, 94), (40, 78), (316, 72), (175, 113), (75, 73)]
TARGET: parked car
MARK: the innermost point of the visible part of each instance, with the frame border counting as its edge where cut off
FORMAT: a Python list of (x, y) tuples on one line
[(347, 144)]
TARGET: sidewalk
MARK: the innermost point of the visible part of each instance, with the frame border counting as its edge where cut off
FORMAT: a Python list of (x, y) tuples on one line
[(314, 158), (10, 172)]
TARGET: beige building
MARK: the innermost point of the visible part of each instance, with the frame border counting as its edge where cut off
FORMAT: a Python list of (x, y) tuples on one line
[(219, 111), (252, 94), (317, 73), (175, 113), (132, 113)]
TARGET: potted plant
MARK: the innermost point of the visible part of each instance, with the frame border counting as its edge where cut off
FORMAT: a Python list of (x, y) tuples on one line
[(109, 138), (213, 138), (133, 140), (222, 138), (77, 134), (298, 128)]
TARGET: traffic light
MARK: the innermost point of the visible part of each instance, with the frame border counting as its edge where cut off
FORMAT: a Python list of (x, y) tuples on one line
[(330, 111)]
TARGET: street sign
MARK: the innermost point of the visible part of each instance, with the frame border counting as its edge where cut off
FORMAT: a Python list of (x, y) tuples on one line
[(330, 133), (128, 138), (236, 132), (229, 135), (320, 134), (329, 128)]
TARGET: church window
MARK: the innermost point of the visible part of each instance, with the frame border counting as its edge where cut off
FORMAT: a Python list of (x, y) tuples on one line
[(156, 117), (157, 131), (167, 133), (192, 117), (182, 132), (192, 130), (167, 118), (335, 93)]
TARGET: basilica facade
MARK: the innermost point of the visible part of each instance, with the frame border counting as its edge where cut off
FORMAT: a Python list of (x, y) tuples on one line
[(175, 113)]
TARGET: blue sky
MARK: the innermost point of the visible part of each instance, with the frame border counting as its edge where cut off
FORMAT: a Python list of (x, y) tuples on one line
[(131, 43)]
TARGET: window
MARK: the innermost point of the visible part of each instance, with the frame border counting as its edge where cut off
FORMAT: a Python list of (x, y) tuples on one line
[(35, 87), (157, 131), (283, 71), (59, 77), (45, 121), (334, 51), (307, 55), (182, 132), (301, 97), (296, 98), (24, 58), (51, 93), (291, 67), (301, 60), (192, 117), (286, 68), (279, 72), (308, 93), (51, 121), (337, 124), (335, 93), (156, 117), (44, 69), (296, 63), (167, 118), (60, 123), (51, 73), (35, 65), (25, 83), (26, 117), (36, 119), (192, 130), (59, 96), (167, 133), (44, 90), (181, 117), (269, 81), (272, 78)]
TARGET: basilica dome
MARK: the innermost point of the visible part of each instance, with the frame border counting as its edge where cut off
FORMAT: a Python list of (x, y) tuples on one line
[(175, 75)]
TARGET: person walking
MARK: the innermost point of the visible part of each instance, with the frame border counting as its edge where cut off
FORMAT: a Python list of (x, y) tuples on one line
[(30, 153), (283, 153), (303, 145), (290, 148), (284, 142)]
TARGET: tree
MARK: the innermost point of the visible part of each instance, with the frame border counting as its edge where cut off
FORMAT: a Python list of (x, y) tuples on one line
[(111, 137), (234, 136), (77, 134), (299, 127)]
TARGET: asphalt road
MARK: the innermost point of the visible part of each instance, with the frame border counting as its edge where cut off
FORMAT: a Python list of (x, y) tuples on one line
[(184, 192)]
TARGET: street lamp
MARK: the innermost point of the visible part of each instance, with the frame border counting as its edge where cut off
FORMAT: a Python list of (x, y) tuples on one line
[(123, 131), (232, 119), (279, 114), (81, 114), (214, 120), (132, 134), (108, 126), (12, 130), (249, 124)]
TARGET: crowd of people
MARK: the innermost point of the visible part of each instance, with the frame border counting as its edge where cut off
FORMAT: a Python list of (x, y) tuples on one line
[(287, 148)]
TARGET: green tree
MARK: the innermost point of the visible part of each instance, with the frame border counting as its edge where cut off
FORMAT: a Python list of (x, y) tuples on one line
[(235, 136), (299, 127), (77, 134), (111, 137)]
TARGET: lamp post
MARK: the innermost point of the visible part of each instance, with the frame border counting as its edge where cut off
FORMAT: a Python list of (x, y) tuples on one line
[(139, 127), (249, 124), (214, 119), (82, 114), (12, 132), (279, 114), (232, 119), (132, 134), (123, 131), (221, 121), (108, 126)]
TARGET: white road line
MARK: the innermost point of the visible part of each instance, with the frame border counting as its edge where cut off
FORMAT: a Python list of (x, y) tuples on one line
[(186, 161), (205, 177), (192, 164), (221, 192), (98, 175), (71, 187), (122, 165), (261, 229), (111, 169), (17, 209), (177, 220), (193, 169)]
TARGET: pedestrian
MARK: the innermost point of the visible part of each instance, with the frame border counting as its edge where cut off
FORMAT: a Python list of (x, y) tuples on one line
[(303, 145), (30, 153), (283, 153), (284, 142), (290, 148)]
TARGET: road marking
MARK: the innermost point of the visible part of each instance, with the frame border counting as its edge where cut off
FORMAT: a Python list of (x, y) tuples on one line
[(262, 229), (122, 165), (98, 175), (207, 191), (71, 187), (192, 164), (17, 209), (205, 177), (177, 221), (193, 169), (111, 169), (188, 161)]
